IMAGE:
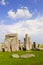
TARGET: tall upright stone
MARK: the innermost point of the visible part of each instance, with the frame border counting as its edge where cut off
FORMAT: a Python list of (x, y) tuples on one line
[(24, 43), (34, 45), (7, 44), (19, 44), (27, 42), (15, 43), (30, 43)]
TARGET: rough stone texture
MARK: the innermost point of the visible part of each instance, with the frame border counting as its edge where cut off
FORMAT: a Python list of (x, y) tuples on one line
[(11, 42), (39, 46), (0, 46), (27, 55), (15, 56), (15, 44), (23, 56), (21, 44), (7, 45), (27, 42)]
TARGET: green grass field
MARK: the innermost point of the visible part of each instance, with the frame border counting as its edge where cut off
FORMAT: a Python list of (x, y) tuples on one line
[(6, 59)]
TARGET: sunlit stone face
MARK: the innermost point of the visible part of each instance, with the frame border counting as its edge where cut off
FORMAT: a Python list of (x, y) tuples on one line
[(11, 42)]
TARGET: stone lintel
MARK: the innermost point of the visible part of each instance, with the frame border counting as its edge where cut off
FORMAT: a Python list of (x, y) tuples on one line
[(11, 35)]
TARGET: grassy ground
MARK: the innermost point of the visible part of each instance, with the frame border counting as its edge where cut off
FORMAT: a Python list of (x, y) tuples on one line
[(6, 59)]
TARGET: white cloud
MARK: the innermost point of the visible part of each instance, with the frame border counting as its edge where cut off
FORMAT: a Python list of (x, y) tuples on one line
[(20, 13), (3, 2), (32, 27)]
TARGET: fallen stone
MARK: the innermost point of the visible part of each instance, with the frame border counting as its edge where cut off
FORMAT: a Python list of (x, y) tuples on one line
[(27, 55), (15, 56)]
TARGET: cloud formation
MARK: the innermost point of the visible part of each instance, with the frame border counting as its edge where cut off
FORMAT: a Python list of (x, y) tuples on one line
[(32, 27), (20, 13), (2, 2)]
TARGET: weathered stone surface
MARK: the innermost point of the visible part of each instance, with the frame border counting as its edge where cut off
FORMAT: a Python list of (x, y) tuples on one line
[(1, 46), (11, 42), (7, 45), (27, 43), (21, 44), (27, 56), (15, 56), (23, 56)]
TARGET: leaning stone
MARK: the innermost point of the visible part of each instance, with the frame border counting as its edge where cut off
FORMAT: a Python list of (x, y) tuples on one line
[(15, 56), (27, 56)]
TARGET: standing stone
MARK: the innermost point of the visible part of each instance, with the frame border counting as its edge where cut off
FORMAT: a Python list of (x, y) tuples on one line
[(27, 43), (15, 44), (24, 43), (34, 45), (7, 44), (19, 44), (1, 46), (30, 43)]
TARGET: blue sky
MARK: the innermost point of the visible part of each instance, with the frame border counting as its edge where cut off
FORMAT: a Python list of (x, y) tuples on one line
[(22, 16)]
